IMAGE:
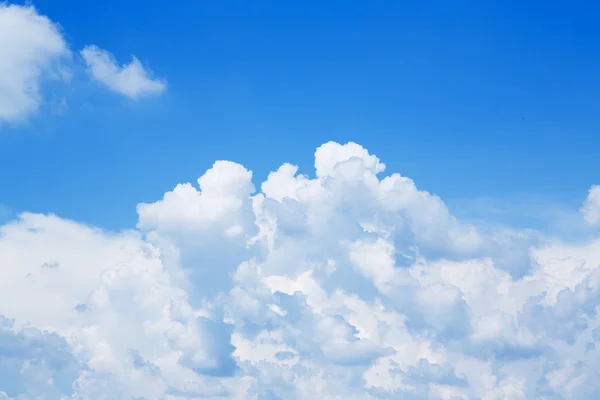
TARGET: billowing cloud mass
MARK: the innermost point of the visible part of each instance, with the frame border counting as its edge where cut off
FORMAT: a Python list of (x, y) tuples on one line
[(351, 284), (131, 80), (33, 51), (32, 48)]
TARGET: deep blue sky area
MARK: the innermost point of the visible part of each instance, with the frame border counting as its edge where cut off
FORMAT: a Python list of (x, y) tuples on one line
[(496, 99)]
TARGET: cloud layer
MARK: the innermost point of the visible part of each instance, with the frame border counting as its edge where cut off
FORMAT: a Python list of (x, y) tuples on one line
[(33, 51), (348, 285)]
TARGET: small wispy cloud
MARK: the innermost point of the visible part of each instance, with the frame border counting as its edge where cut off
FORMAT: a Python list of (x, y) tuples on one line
[(132, 80), (548, 214)]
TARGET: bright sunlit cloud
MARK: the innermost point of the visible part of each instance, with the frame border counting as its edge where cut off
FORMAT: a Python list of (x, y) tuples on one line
[(350, 284)]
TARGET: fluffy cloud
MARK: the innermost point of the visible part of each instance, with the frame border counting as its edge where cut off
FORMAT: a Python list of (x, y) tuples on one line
[(31, 48), (131, 80), (591, 208), (348, 285), (33, 51)]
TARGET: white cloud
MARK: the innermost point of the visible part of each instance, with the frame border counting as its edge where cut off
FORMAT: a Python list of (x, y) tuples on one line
[(132, 80), (31, 48), (348, 285), (33, 51), (591, 207)]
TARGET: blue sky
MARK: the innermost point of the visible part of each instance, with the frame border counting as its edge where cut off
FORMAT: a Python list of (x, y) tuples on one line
[(444, 243), (494, 100)]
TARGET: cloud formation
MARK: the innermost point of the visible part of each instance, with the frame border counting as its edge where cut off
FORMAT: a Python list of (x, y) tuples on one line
[(32, 48), (131, 80), (346, 285), (33, 51), (591, 207)]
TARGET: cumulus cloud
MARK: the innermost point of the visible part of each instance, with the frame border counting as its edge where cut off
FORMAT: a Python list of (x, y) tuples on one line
[(132, 80), (591, 207), (346, 285), (32, 48)]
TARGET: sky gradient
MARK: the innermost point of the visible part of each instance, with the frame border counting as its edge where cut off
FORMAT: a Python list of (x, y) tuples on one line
[(433, 88), (299, 200)]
